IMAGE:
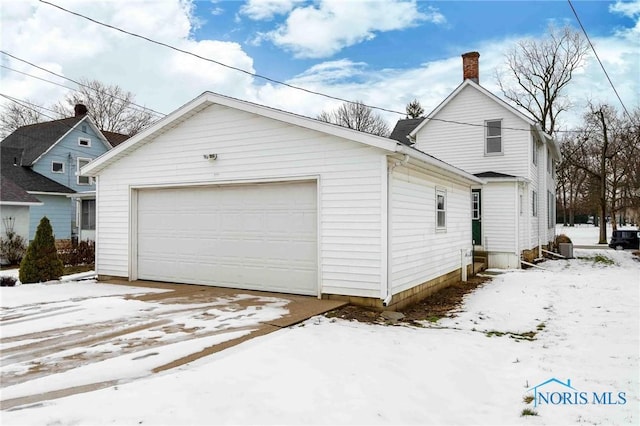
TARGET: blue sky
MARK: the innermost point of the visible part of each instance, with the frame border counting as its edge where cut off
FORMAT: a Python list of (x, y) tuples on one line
[(383, 52)]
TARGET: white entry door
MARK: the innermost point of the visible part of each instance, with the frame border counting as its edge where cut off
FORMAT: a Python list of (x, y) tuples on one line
[(258, 236)]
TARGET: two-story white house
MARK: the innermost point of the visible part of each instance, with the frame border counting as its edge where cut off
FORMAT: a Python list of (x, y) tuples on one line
[(513, 213)]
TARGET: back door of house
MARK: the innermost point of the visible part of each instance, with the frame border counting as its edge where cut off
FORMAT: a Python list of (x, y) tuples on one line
[(476, 216)]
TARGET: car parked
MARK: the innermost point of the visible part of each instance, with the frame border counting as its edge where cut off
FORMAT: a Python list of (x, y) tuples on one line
[(625, 239)]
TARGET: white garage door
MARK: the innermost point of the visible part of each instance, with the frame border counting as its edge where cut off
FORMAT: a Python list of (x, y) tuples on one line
[(259, 236)]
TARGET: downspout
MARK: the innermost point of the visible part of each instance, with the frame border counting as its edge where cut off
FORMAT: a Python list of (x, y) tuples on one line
[(405, 160), (517, 219)]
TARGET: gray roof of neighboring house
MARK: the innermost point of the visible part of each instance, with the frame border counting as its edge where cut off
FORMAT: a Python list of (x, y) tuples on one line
[(114, 138), (36, 139), (27, 179), (403, 128), (11, 192), (493, 175)]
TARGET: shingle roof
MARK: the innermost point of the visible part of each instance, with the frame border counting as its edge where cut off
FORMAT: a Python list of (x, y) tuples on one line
[(403, 128), (115, 139), (10, 192), (35, 139), (493, 175), (24, 177)]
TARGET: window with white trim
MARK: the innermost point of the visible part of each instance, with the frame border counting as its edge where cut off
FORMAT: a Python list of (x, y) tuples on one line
[(534, 151), (441, 209), (493, 144), (549, 160), (88, 221), (475, 205), (57, 167), (82, 180), (84, 142), (534, 203)]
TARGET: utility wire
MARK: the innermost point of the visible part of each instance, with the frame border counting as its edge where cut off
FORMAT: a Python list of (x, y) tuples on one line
[(598, 58), (269, 79), (73, 81)]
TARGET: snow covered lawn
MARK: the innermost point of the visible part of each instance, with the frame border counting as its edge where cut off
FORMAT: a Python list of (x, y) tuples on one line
[(578, 321), (586, 235)]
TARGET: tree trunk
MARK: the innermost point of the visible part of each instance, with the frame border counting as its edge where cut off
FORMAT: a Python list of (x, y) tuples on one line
[(603, 183)]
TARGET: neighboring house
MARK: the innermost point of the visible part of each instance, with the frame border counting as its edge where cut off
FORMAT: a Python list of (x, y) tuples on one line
[(474, 130), (15, 203), (44, 159), (228, 193)]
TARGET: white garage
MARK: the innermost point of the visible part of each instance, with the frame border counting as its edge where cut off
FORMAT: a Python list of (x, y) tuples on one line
[(227, 193), (254, 236)]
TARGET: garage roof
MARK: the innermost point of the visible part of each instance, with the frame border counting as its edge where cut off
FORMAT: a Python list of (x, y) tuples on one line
[(208, 98)]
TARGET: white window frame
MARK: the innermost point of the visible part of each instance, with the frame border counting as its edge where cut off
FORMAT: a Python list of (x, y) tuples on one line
[(487, 137), (83, 223), (534, 151), (440, 192), (475, 205), (534, 204), (78, 167), (57, 162), (549, 160), (83, 139)]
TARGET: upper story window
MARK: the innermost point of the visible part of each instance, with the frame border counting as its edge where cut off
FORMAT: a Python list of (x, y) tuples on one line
[(84, 141), (83, 180), (441, 209), (549, 161), (534, 152), (57, 167), (493, 143)]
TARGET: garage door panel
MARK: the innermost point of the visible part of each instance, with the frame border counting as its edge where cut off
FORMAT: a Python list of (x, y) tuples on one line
[(260, 237)]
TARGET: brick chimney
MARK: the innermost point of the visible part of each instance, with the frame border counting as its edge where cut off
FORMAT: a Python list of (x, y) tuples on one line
[(470, 68), (80, 110)]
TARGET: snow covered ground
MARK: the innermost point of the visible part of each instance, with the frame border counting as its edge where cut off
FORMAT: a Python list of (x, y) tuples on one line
[(583, 234), (579, 320)]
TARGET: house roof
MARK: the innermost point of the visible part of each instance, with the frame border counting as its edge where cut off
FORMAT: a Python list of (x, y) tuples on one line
[(208, 99), (24, 177), (11, 193), (493, 175), (36, 139), (402, 129), (114, 138), (546, 138)]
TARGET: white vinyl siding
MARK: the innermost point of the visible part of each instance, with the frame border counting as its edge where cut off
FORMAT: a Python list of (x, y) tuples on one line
[(418, 252), (464, 145), (250, 147), (499, 221)]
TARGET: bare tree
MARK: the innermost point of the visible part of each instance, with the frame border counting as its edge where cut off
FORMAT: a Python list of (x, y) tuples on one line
[(538, 71), (110, 107), (414, 109), (357, 116), (14, 115)]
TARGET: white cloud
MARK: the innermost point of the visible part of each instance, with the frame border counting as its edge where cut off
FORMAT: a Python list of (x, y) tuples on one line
[(323, 30), (267, 9), (74, 47), (163, 79)]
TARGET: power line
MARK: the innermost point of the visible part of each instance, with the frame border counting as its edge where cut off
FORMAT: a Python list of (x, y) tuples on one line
[(73, 81), (598, 58), (269, 79), (36, 108)]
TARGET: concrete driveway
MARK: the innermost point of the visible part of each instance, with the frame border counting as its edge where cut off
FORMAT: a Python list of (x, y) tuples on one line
[(132, 336)]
